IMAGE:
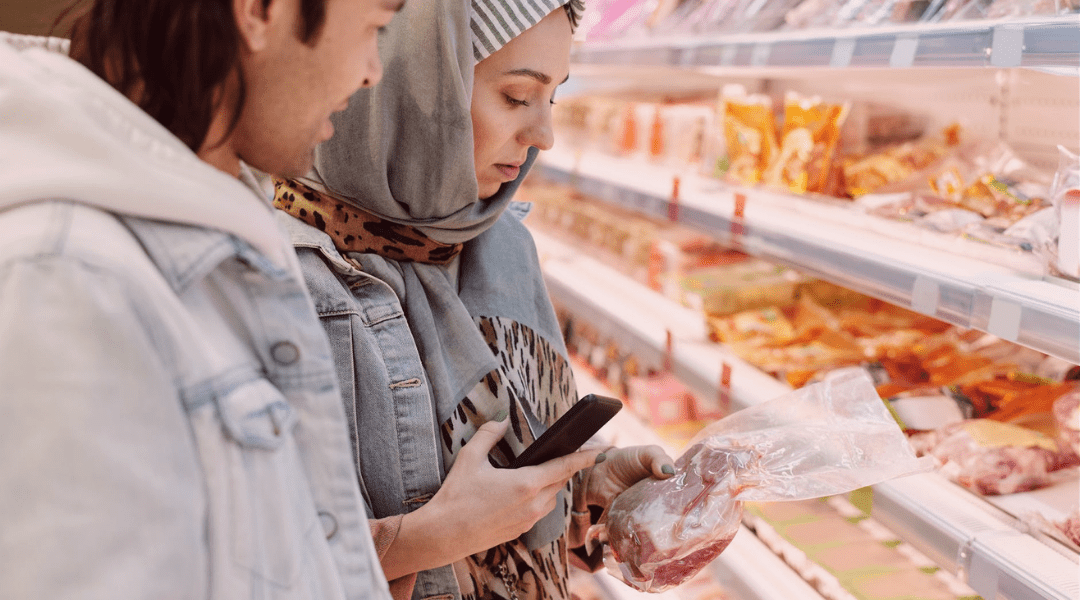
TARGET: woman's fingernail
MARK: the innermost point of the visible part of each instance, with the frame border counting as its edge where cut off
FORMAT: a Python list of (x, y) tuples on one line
[(501, 416), (601, 458), (667, 469)]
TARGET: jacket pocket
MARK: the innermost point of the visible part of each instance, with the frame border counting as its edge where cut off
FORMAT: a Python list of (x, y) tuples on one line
[(262, 513)]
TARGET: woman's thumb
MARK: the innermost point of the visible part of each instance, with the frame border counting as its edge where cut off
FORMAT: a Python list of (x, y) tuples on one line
[(487, 436)]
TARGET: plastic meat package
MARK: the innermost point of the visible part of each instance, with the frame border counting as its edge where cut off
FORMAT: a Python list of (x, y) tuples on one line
[(828, 438), (994, 458)]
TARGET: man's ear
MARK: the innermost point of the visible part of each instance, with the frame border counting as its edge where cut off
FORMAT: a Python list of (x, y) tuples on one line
[(256, 20)]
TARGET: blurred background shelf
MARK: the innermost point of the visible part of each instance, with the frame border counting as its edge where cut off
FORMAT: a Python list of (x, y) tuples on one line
[(1032, 43), (1002, 292), (983, 544)]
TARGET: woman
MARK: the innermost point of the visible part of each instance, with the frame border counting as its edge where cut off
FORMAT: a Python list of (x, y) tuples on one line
[(431, 292)]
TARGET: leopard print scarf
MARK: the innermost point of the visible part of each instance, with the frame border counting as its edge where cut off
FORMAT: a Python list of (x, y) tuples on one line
[(355, 230), (531, 376)]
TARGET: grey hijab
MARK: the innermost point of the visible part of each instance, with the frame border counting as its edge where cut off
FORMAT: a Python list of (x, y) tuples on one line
[(403, 151)]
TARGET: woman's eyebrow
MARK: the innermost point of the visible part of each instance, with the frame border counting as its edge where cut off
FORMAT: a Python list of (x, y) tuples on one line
[(537, 75)]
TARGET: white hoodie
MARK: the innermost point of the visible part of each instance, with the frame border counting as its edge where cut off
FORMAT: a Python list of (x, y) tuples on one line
[(65, 133)]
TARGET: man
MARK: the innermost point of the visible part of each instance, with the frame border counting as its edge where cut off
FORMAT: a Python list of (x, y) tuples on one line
[(170, 422)]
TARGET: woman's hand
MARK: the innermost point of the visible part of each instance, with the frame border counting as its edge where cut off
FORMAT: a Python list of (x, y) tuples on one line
[(479, 506), (622, 468)]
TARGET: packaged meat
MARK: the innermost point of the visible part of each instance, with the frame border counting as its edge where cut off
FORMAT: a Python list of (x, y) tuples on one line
[(824, 439), (993, 458), (1067, 418), (1070, 526)]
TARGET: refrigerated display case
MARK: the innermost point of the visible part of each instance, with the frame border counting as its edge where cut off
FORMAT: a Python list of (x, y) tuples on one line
[(1010, 80)]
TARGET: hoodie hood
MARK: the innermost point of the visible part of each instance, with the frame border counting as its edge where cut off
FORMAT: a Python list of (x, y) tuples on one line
[(67, 134)]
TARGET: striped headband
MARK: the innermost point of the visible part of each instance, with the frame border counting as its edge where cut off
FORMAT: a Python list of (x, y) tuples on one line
[(495, 22)]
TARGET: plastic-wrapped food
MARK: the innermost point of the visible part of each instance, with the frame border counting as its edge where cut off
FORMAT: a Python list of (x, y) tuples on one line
[(807, 143), (1067, 416), (1070, 526), (882, 171), (993, 458), (750, 135), (825, 439), (1065, 196)]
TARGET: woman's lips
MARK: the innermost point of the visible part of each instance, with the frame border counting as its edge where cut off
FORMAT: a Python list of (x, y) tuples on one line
[(510, 172)]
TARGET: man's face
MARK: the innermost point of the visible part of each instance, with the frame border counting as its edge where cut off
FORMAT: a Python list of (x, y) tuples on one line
[(293, 87)]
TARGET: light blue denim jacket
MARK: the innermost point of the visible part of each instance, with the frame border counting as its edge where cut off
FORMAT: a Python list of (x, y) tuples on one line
[(377, 360), (170, 422)]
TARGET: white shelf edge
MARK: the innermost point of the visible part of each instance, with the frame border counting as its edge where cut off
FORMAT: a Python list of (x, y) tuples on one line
[(956, 529), (1035, 42), (924, 273)]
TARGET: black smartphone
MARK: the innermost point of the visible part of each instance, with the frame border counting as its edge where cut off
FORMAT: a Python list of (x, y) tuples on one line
[(573, 429)]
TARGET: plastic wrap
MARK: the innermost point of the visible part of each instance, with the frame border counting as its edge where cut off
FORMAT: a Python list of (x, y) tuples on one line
[(1065, 196), (824, 439)]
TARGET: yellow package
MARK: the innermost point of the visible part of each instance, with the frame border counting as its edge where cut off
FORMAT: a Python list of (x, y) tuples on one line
[(750, 133), (807, 143)]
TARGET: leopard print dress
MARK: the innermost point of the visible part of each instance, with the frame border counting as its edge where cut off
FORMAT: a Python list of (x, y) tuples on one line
[(531, 376)]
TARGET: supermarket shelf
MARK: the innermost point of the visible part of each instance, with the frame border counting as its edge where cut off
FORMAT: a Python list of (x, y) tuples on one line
[(1036, 42), (958, 530), (960, 281)]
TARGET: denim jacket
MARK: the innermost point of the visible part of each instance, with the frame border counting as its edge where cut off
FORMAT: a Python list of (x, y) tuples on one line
[(378, 361), (170, 421)]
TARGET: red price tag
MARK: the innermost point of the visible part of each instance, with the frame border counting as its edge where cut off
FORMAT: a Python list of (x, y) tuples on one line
[(724, 390), (673, 203), (737, 227)]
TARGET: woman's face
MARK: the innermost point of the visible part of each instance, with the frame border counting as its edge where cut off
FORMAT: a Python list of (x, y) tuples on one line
[(513, 91)]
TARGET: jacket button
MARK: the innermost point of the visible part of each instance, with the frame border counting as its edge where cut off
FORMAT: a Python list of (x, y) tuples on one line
[(285, 353), (329, 524)]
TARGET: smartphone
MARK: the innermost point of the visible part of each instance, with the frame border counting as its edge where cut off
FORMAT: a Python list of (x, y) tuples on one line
[(573, 429)]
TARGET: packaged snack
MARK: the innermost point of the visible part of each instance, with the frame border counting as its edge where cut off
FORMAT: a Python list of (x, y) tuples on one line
[(750, 136), (994, 458), (807, 143), (884, 170), (767, 326), (737, 287), (825, 439)]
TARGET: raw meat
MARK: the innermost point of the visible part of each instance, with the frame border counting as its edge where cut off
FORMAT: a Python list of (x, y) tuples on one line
[(1018, 461), (664, 531), (1071, 526)]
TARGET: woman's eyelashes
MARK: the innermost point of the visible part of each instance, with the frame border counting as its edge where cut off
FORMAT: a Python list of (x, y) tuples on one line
[(512, 101)]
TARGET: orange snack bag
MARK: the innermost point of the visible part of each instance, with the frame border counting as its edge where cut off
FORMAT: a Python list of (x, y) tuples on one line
[(807, 142), (750, 133)]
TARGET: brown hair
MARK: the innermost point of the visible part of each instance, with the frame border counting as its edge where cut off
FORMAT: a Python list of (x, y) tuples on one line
[(171, 57)]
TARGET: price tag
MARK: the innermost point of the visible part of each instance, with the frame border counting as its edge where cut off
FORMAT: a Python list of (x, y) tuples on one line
[(760, 56), (673, 202), (724, 390), (842, 52), (925, 296), (903, 54), (1004, 319), (737, 226), (1007, 46)]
